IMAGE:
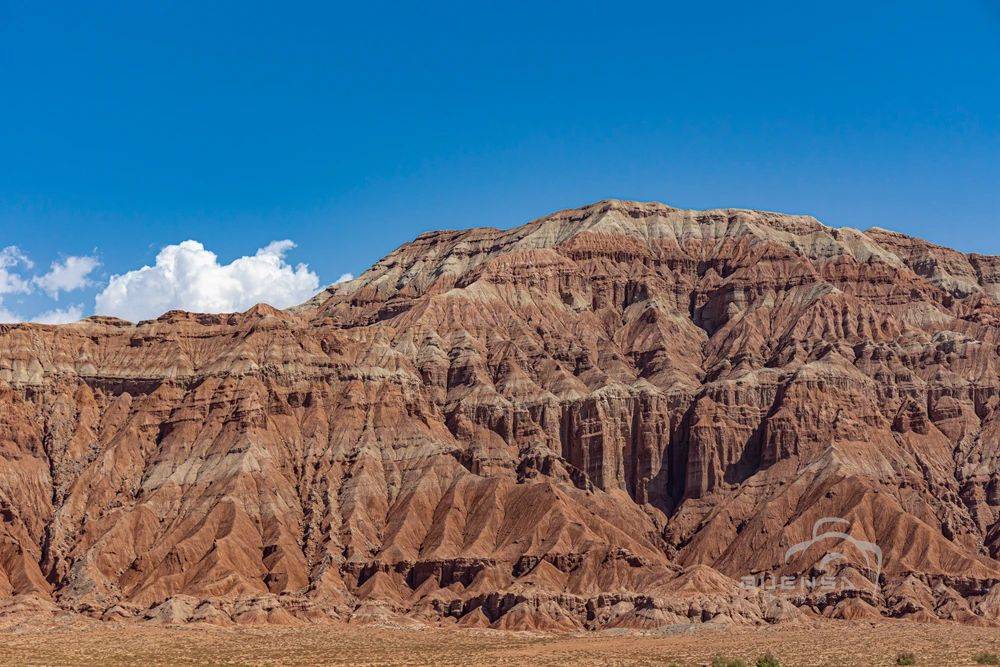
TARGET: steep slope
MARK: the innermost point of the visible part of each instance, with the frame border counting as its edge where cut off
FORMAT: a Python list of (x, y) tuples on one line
[(611, 416)]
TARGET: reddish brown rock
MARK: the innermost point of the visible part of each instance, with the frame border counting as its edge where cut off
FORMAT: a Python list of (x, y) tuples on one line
[(608, 417)]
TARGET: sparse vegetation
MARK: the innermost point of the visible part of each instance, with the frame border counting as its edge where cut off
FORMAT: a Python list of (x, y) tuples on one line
[(768, 660), (906, 658), (26, 641), (722, 661), (987, 659)]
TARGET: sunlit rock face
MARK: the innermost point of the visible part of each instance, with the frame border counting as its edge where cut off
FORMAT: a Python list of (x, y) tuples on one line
[(608, 417)]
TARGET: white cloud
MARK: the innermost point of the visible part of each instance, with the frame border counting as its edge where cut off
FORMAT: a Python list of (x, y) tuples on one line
[(67, 276), (60, 315), (7, 317), (11, 257), (346, 277), (63, 276), (187, 276), (11, 282)]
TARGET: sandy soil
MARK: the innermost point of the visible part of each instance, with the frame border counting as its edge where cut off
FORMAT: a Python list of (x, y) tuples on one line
[(828, 643)]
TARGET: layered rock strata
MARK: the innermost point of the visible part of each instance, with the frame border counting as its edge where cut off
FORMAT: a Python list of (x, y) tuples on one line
[(612, 416)]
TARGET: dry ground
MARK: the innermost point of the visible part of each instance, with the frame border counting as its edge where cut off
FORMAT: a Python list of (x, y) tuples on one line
[(828, 643)]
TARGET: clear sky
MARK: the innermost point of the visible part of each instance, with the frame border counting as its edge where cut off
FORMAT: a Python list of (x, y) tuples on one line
[(349, 128)]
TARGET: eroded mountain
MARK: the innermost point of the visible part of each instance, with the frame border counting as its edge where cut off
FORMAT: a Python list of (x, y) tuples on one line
[(608, 417)]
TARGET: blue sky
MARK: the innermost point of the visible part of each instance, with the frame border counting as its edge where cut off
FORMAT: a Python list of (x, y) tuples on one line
[(127, 128)]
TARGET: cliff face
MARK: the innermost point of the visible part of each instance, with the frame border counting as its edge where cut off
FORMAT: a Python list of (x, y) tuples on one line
[(606, 417)]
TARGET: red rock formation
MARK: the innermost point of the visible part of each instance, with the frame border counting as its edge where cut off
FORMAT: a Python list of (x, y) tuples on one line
[(607, 417)]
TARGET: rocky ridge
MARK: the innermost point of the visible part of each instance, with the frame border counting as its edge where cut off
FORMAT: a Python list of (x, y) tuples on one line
[(612, 416)]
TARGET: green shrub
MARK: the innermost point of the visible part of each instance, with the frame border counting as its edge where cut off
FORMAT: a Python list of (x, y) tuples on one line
[(768, 660), (906, 658), (987, 659)]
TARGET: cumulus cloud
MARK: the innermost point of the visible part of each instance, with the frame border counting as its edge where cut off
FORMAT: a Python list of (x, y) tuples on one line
[(344, 278), (63, 276), (66, 276), (187, 276), (60, 315), (6, 316), (11, 258)]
